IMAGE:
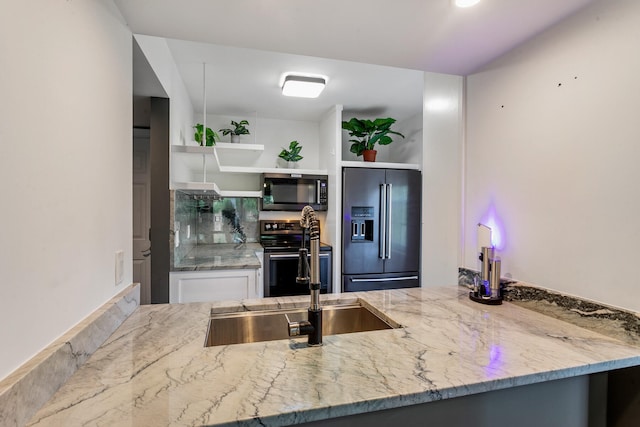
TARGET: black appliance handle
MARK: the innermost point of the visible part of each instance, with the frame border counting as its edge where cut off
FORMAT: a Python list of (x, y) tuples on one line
[(389, 219), (385, 279), (382, 249), (291, 256)]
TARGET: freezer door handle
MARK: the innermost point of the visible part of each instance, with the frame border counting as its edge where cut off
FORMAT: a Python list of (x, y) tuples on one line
[(383, 222), (384, 279)]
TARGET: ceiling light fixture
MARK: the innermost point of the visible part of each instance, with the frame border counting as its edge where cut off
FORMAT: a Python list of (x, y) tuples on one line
[(303, 86), (466, 3)]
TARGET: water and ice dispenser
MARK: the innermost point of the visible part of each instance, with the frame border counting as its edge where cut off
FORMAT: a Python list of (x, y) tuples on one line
[(362, 223)]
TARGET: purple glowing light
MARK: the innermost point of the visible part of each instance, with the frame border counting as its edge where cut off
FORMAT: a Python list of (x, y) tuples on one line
[(493, 221), (494, 366)]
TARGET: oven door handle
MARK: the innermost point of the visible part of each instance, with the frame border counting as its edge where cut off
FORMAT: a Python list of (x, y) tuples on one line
[(290, 256)]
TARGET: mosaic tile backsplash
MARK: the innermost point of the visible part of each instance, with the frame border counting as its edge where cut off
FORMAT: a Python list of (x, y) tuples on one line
[(204, 220)]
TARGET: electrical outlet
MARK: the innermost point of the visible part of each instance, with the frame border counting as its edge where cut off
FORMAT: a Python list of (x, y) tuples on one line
[(119, 266)]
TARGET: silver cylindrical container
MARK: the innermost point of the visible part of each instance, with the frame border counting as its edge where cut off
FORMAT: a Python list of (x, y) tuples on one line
[(487, 256), (494, 281)]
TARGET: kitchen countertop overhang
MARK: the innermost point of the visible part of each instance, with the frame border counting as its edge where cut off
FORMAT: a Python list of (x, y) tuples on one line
[(155, 370)]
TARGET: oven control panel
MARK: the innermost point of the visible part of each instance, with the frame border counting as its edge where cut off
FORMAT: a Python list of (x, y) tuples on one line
[(280, 226)]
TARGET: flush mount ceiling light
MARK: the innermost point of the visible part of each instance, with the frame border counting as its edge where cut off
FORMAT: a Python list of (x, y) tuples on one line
[(466, 3), (303, 86)]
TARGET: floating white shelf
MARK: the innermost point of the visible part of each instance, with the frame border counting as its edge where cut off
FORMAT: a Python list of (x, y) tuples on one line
[(243, 169), (228, 147), (210, 187), (196, 149), (239, 146)]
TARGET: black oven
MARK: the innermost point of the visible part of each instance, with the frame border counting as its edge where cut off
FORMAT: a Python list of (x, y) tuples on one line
[(281, 240), (292, 192)]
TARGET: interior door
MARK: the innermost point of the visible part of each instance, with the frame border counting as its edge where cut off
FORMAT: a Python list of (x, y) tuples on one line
[(141, 214)]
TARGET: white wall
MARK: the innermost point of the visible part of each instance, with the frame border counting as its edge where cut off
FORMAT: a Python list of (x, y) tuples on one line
[(331, 227), (552, 150), (181, 115), (65, 167), (441, 182), (274, 134)]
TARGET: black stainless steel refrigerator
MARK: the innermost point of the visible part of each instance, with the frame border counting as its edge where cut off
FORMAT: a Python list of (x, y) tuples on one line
[(381, 217)]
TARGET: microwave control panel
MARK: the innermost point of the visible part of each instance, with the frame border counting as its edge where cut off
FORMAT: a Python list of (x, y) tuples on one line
[(323, 192)]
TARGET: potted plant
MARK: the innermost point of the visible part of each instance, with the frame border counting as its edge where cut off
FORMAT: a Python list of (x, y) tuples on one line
[(239, 128), (292, 155), (366, 133), (210, 139)]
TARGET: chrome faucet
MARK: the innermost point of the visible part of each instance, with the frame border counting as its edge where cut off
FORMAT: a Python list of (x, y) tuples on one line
[(310, 274)]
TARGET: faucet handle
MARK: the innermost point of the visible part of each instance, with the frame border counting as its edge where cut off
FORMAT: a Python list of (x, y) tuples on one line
[(298, 328)]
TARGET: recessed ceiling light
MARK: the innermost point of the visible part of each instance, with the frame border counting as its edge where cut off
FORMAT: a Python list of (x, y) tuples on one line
[(303, 86), (466, 3)]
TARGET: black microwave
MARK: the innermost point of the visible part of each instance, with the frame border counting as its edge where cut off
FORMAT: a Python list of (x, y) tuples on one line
[(292, 192)]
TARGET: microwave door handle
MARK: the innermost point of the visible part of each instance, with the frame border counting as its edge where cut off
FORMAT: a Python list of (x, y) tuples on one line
[(383, 221), (318, 191)]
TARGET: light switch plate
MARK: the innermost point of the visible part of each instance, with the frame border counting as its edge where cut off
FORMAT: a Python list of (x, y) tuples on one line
[(119, 267)]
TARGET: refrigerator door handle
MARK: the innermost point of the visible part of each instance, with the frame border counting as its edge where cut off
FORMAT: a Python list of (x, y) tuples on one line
[(383, 222), (387, 279), (389, 219)]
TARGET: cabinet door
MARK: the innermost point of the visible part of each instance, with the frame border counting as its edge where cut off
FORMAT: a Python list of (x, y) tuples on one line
[(217, 285)]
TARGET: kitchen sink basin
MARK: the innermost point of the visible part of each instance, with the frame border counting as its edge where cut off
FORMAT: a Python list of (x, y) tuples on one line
[(269, 325)]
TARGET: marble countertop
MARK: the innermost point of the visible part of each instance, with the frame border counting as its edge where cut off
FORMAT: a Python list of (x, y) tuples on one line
[(154, 370), (220, 257)]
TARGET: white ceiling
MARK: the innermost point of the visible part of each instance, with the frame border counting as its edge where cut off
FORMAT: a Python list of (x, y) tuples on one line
[(243, 82), (275, 36)]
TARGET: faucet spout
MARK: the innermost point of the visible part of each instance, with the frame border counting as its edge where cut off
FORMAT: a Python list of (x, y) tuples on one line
[(310, 273)]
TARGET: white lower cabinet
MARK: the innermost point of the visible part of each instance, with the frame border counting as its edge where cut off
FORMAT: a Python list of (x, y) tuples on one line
[(214, 285)]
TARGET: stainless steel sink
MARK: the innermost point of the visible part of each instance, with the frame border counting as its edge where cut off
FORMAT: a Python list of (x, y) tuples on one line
[(269, 325)]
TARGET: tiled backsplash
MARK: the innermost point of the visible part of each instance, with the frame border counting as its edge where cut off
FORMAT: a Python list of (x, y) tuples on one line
[(203, 220)]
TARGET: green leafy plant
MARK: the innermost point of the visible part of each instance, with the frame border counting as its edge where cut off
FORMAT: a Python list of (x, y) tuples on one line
[(210, 139), (240, 128), (366, 133), (293, 153)]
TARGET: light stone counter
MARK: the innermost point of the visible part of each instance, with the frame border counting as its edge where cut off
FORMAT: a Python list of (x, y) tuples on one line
[(154, 370)]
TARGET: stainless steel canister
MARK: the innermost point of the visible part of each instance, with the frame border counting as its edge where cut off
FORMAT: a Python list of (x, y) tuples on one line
[(487, 256), (494, 281)]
